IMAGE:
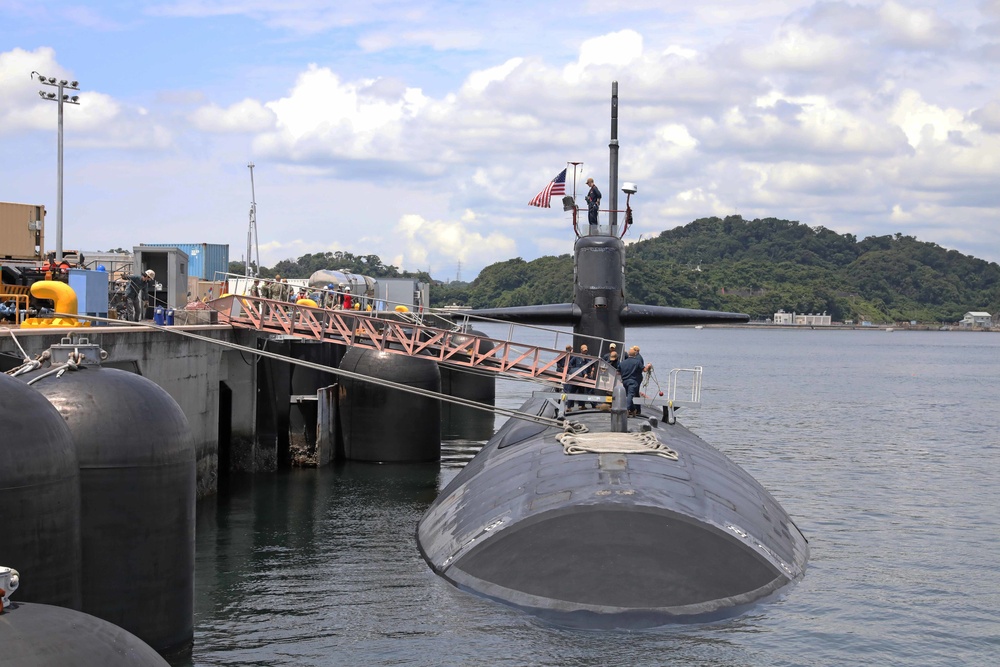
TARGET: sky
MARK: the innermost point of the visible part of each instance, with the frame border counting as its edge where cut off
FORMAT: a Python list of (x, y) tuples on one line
[(419, 130)]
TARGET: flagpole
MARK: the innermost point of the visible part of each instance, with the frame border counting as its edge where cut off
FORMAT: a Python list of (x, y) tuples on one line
[(574, 178)]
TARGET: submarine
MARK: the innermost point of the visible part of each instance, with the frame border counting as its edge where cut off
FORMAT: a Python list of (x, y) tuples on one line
[(599, 519)]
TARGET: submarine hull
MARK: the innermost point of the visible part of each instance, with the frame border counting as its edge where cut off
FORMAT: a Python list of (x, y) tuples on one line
[(610, 540)]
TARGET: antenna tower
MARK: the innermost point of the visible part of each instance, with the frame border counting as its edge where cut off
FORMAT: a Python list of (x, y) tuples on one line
[(253, 249)]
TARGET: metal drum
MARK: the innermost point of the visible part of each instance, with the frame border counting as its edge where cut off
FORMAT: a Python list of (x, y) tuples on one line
[(39, 496), (41, 635), (137, 487), (383, 424)]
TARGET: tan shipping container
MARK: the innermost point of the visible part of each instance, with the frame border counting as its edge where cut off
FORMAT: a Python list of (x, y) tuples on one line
[(22, 231)]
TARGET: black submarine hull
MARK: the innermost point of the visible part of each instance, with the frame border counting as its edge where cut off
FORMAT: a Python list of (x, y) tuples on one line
[(610, 540)]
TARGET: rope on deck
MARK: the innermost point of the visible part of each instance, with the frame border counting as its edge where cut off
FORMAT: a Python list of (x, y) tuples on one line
[(615, 443)]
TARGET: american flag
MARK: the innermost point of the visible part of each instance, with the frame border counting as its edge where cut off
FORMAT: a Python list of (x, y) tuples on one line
[(554, 189)]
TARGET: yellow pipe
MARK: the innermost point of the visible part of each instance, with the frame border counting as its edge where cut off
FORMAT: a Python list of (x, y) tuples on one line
[(65, 302)]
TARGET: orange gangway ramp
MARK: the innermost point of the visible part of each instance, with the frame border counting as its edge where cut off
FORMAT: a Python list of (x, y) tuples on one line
[(409, 334)]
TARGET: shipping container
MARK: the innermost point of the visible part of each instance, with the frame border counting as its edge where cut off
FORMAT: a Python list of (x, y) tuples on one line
[(22, 231), (204, 259)]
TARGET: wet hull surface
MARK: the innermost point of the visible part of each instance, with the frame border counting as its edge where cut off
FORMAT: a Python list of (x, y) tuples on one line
[(610, 539)]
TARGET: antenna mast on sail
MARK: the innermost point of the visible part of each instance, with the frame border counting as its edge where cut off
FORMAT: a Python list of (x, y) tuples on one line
[(613, 175), (253, 249)]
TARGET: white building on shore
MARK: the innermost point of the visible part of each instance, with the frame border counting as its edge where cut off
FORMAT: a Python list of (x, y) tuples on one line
[(781, 317), (976, 318)]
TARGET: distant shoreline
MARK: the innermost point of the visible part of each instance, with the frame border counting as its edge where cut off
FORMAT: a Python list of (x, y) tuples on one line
[(855, 327)]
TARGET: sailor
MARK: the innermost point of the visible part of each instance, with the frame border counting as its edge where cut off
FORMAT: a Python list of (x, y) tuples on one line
[(593, 202), (561, 365), (607, 355), (590, 374), (576, 362), (631, 368)]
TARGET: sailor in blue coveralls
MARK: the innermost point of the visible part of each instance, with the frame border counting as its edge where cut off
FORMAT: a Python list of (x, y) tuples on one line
[(593, 201)]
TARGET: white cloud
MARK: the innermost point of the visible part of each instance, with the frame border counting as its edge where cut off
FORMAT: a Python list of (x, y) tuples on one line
[(246, 116), (478, 81), (326, 117), (922, 122), (614, 50), (796, 48), (438, 242), (916, 28), (987, 116)]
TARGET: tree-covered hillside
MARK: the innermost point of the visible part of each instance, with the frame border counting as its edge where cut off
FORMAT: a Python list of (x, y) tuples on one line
[(310, 263), (762, 266)]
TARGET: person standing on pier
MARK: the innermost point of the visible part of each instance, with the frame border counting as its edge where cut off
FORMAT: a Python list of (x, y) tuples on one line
[(142, 286)]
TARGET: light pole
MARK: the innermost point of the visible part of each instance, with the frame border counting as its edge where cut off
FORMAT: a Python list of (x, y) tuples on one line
[(60, 98), (252, 233)]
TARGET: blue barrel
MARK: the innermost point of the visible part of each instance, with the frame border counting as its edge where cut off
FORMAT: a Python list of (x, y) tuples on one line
[(158, 316), (170, 317)]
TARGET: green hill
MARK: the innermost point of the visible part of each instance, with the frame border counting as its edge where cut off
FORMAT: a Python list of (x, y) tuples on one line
[(762, 266)]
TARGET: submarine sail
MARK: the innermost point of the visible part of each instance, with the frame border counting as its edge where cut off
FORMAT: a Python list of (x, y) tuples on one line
[(602, 520)]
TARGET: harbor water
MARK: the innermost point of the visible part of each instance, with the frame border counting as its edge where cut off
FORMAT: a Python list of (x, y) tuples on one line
[(884, 447)]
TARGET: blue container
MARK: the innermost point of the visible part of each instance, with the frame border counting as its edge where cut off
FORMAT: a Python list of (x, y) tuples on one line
[(91, 288), (158, 316), (170, 317), (205, 260)]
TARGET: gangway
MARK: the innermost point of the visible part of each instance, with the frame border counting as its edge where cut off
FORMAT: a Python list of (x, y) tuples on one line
[(399, 333)]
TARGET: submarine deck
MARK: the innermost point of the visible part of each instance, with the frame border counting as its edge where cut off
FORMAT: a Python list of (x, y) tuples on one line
[(610, 537)]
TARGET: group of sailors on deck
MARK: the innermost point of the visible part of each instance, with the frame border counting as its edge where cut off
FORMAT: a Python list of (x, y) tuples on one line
[(329, 297), (631, 367)]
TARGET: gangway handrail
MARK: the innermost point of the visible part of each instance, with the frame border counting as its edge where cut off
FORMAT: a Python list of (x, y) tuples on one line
[(463, 319), (391, 332)]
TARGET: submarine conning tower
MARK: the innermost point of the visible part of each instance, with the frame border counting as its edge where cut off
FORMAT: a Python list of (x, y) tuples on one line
[(598, 269)]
